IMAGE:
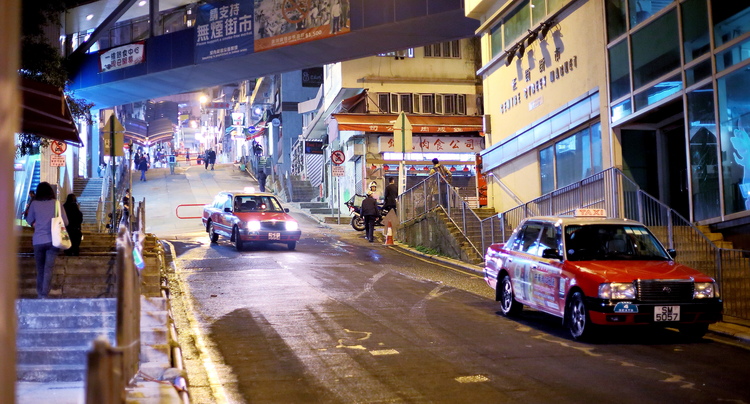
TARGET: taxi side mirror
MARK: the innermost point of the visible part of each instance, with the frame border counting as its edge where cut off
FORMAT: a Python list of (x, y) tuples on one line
[(672, 253), (286, 210), (227, 210), (551, 253)]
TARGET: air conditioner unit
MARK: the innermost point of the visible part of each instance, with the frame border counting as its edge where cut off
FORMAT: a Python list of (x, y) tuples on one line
[(358, 149)]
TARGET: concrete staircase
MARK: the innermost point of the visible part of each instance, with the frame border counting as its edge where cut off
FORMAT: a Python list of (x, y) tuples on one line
[(88, 191), (91, 274), (472, 233), (302, 191), (55, 335)]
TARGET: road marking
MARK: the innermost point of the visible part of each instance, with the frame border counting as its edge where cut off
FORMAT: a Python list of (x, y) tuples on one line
[(214, 382), (472, 379), (366, 335), (380, 352)]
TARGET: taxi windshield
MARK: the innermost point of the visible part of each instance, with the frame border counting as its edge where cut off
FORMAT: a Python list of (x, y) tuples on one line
[(256, 203), (611, 242)]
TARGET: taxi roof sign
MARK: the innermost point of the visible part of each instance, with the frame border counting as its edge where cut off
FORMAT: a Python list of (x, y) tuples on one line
[(590, 213)]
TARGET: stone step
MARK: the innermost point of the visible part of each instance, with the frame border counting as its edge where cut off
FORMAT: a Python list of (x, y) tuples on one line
[(48, 373), (61, 338)]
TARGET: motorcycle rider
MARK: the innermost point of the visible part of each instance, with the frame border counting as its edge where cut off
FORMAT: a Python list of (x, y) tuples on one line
[(370, 212)]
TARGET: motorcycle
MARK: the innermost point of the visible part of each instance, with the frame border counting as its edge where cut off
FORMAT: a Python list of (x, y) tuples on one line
[(358, 221)]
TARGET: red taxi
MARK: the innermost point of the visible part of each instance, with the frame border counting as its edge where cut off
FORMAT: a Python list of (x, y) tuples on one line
[(248, 216), (595, 271)]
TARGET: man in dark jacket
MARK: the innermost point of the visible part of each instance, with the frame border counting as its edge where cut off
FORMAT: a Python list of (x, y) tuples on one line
[(262, 180), (390, 195), (369, 211)]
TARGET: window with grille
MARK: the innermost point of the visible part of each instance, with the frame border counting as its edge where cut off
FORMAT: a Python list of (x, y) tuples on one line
[(449, 49)]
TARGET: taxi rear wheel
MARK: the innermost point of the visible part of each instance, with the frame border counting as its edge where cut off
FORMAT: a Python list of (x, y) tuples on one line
[(212, 233), (237, 238), (508, 304), (578, 320)]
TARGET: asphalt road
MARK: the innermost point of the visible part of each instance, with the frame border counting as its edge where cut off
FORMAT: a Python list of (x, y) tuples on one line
[(341, 320)]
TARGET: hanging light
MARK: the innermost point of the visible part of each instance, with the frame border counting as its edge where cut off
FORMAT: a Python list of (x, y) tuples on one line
[(374, 167), (453, 168), (532, 37), (426, 168), (466, 168), (412, 169), (544, 30), (511, 53), (386, 167), (521, 50)]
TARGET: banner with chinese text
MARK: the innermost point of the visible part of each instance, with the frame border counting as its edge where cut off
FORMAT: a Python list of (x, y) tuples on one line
[(223, 29), (289, 22), (122, 56)]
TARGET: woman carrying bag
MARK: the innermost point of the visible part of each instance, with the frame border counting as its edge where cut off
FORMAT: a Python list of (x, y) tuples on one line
[(42, 211)]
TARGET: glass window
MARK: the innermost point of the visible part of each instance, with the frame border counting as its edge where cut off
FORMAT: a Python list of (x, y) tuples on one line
[(733, 55), (596, 150), (120, 35), (615, 18), (174, 21), (517, 23), (621, 110), (695, 29), (734, 123), (547, 169), (619, 73), (698, 72), (640, 10), (554, 5), (496, 40), (569, 158), (704, 169), (538, 11), (140, 29), (656, 50), (658, 92), (731, 19)]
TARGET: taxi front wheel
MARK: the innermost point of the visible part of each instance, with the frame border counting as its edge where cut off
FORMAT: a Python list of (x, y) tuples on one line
[(578, 320), (508, 305), (212, 233), (237, 239)]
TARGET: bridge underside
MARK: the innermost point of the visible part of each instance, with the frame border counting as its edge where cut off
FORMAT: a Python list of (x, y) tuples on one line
[(174, 71)]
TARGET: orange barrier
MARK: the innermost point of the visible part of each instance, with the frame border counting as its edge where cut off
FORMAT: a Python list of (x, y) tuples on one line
[(177, 210)]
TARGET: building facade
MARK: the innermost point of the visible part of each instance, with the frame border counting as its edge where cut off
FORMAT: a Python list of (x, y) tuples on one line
[(436, 88), (658, 89)]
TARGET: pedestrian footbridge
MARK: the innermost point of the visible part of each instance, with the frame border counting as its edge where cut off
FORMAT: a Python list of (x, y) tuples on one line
[(230, 41)]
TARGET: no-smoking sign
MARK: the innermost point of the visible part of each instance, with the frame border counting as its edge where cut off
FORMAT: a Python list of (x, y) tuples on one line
[(338, 157), (58, 147)]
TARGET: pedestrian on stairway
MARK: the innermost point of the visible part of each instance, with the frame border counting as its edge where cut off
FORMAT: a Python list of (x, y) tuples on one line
[(369, 211), (75, 220), (41, 212), (143, 167), (212, 158), (206, 158), (262, 180), (390, 195)]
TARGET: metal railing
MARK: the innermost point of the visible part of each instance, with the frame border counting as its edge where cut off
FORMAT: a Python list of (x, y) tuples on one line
[(110, 368), (433, 192)]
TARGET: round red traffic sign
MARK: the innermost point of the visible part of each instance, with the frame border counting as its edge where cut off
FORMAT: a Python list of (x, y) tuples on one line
[(58, 147), (337, 157)]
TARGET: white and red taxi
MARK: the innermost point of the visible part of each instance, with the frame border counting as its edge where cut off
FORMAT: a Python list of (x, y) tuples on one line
[(591, 271), (249, 216)]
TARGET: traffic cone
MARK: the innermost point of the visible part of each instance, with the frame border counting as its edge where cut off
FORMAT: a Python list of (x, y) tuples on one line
[(389, 235)]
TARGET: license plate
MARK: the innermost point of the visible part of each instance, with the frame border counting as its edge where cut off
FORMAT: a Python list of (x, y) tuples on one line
[(666, 313), (274, 236)]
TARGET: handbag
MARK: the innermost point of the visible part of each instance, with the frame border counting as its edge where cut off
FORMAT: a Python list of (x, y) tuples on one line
[(60, 236)]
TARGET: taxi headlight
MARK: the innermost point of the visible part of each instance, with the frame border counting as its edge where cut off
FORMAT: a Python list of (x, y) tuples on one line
[(253, 225), (705, 290), (616, 290), (292, 226)]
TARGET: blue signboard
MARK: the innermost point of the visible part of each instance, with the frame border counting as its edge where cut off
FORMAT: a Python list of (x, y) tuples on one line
[(224, 29)]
